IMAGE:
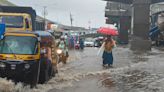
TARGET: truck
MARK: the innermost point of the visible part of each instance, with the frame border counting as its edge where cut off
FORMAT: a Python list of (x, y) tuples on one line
[(156, 32), (18, 18)]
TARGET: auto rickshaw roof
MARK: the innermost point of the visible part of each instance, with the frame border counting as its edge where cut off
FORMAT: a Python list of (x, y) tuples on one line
[(46, 37), (43, 33)]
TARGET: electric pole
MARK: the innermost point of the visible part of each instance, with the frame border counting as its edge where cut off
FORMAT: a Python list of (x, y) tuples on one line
[(89, 23), (71, 19), (45, 13)]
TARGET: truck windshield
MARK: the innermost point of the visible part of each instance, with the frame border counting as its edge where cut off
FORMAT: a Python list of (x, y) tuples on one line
[(18, 45), (12, 21)]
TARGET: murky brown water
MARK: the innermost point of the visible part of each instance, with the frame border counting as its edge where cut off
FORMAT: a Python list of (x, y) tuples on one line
[(132, 72)]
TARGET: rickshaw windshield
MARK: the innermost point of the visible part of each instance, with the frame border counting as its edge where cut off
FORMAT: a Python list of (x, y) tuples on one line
[(25, 45)]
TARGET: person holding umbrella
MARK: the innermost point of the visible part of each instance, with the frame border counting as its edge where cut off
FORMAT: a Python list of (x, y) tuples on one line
[(107, 54), (108, 45)]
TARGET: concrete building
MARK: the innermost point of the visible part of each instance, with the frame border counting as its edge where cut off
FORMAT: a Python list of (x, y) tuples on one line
[(75, 30), (121, 15), (140, 14)]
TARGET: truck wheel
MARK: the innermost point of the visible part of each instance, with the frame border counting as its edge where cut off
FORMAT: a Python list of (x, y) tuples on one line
[(35, 77)]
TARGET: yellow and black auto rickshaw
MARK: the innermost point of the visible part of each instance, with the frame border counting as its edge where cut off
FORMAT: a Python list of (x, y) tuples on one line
[(49, 56), (28, 57)]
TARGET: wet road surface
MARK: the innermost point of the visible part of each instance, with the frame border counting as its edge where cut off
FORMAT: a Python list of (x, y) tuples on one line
[(132, 72)]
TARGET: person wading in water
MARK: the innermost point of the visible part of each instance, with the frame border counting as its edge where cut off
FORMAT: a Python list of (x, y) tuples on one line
[(107, 54)]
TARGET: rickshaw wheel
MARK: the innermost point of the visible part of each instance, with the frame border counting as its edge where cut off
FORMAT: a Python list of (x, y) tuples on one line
[(44, 77), (35, 77)]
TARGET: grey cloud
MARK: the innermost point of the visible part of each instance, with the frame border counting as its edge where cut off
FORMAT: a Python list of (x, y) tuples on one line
[(58, 10)]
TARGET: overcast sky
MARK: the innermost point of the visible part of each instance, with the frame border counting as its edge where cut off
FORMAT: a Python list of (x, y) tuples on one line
[(82, 11)]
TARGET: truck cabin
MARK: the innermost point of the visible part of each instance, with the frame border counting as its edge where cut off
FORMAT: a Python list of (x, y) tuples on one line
[(16, 21), (18, 18)]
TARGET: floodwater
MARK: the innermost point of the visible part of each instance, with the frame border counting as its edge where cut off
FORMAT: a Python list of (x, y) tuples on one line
[(132, 72)]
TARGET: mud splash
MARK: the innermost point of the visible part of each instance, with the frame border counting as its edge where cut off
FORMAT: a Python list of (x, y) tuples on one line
[(62, 80), (9, 86), (126, 77), (137, 81)]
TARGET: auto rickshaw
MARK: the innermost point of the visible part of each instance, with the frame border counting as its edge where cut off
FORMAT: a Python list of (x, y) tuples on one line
[(23, 58), (49, 56)]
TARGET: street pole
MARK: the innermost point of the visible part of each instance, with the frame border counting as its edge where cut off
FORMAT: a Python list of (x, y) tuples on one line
[(71, 19), (44, 15), (89, 27)]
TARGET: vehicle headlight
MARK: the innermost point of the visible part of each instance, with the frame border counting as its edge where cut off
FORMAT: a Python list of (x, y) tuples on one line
[(2, 65), (59, 51), (27, 66)]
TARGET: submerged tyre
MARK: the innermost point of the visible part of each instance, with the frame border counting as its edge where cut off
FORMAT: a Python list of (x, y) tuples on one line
[(44, 77), (44, 73), (35, 75)]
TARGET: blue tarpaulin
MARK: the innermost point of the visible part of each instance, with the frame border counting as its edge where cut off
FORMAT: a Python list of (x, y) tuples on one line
[(2, 29), (154, 32)]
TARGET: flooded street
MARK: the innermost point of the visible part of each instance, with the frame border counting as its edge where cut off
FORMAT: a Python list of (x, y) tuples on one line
[(132, 72), (36, 35)]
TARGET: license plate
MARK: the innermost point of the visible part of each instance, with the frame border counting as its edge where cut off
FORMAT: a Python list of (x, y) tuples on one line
[(13, 67)]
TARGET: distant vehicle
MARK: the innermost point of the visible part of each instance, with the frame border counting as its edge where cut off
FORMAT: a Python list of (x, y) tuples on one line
[(98, 41), (77, 45), (89, 42)]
